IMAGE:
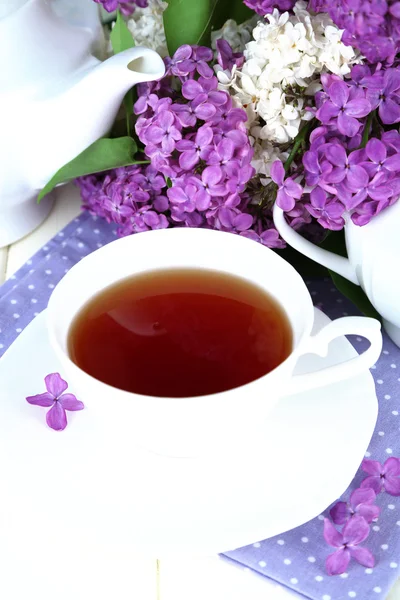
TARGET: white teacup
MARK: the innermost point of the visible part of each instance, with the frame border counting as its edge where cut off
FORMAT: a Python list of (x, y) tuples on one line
[(206, 424)]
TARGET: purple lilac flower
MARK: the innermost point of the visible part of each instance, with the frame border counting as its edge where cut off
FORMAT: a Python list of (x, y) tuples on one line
[(361, 503), (125, 6), (164, 131), (288, 190), (195, 149), (378, 159), (383, 92), (372, 26), (345, 168), (382, 478), (190, 59), (209, 184), (59, 402), (226, 58), (328, 210), (264, 7), (355, 531), (343, 107)]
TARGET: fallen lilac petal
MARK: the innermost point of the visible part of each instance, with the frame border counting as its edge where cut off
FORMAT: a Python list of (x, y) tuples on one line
[(331, 535), (45, 399), (339, 513), (55, 384), (337, 563), (70, 402), (363, 556), (56, 417)]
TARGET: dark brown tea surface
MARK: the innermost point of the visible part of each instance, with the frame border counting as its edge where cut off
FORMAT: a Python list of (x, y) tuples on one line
[(180, 333)]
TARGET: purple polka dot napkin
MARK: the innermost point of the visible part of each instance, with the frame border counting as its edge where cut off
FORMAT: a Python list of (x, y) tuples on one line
[(296, 558)]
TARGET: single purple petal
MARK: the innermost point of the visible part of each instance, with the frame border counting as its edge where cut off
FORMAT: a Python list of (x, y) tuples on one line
[(55, 384), (154, 134), (391, 80), (204, 136), (176, 194), (217, 97), (277, 172), (327, 112), (355, 531), (202, 200), (339, 93), (56, 417), (347, 125), (165, 119), (204, 70), (292, 188), (191, 89), (70, 402), (212, 175), (183, 53), (357, 177), (45, 399), (205, 111), (335, 176), (379, 191), (372, 482), (362, 496), (310, 161), (337, 563), (226, 149), (393, 163), (358, 108), (284, 201), (363, 556), (225, 216), (369, 512), (188, 160), (389, 112), (392, 485), (243, 221), (336, 154), (391, 466), (332, 535), (376, 150), (372, 467), (339, 513)]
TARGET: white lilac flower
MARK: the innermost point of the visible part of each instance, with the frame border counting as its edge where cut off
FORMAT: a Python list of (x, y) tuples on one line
[(147, 27), (282, 68), (236, 35)]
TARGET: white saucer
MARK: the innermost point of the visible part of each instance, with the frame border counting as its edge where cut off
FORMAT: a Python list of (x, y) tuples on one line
[(60, 489)]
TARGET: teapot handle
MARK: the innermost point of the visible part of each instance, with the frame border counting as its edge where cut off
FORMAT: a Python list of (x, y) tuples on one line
[(327, 259)]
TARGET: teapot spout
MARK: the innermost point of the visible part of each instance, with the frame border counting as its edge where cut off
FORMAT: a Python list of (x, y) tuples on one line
[(131, 67), (86, 110)]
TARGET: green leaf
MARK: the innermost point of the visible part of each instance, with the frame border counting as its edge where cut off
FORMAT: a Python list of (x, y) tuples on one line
[(191, 21), (102, 155), (356, 294), (121, 37)]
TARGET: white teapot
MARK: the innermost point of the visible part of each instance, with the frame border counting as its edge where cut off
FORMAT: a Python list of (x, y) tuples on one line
[(373, 251), (56, 99)]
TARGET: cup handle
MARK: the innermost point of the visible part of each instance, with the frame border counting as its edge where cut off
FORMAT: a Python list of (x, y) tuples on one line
[(327, 259), (319, 343)]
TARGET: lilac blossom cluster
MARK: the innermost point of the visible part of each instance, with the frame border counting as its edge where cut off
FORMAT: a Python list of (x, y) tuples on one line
[(357, 515), (265, 7), (352, 166), (125, 6), (372, 26), (200, 156)]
